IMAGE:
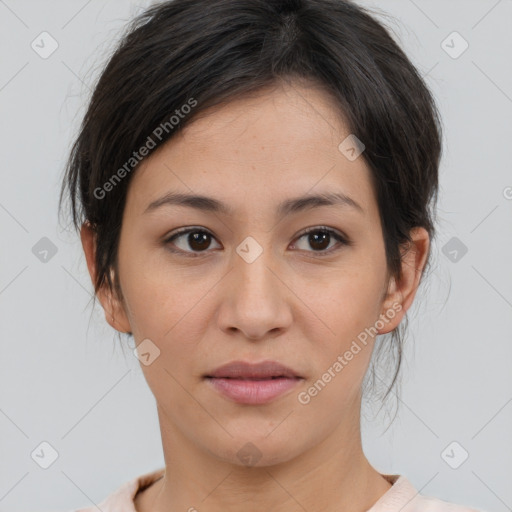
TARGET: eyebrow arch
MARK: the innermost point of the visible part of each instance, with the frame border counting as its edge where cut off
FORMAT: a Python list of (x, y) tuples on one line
[(287, 207)]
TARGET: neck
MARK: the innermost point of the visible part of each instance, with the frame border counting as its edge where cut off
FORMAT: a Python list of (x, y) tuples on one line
[(334, 475)]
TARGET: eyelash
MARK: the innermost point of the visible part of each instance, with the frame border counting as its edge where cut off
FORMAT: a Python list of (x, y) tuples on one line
[(343, 240)]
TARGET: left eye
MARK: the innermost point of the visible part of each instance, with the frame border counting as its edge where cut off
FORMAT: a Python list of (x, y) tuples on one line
[(319, 238)]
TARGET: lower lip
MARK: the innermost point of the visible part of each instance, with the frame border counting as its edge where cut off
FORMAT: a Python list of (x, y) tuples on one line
[(253, 391)]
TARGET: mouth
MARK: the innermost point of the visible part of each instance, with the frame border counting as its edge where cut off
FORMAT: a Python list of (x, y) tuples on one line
[(254, 384), (250, 378), (242, 370)]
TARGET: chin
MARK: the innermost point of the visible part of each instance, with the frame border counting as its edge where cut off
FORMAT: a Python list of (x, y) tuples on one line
[(260, 450)]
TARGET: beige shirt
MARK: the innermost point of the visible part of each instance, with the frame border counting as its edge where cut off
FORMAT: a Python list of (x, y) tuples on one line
[(402, 496)]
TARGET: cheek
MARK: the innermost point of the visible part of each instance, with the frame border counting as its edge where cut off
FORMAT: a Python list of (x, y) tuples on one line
[(166, 305), (349, 308), (348, 303), (159, 295)]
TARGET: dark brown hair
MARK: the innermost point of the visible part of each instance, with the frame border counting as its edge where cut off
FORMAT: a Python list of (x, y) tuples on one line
[(214, 51)]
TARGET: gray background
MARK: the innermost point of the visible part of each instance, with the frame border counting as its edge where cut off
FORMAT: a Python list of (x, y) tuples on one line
[(63, 376)]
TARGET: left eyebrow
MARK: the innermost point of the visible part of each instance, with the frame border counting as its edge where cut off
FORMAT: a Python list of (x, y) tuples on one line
[(287, 207), (314, 201)]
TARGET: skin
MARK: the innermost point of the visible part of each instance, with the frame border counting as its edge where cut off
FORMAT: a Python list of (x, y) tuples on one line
[(289, 305)]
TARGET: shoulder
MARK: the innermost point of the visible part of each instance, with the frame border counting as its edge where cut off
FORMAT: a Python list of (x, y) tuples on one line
[(122, 498), (403, 497), (432, 504)]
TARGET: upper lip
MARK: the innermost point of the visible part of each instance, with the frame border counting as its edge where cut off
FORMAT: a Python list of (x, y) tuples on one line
[(246, 370)]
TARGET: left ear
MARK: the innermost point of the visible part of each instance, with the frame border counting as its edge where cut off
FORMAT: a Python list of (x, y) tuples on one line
[(400, 294)]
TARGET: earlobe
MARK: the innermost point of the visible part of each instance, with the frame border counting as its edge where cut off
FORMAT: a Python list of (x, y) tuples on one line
[(115, 314), (392, 309), (401, 292), (413, 264)]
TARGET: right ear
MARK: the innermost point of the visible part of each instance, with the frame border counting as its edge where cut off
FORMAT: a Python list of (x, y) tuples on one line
[(115, 314)]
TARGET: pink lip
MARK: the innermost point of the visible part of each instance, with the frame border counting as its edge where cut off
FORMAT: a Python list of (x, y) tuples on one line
[(244, 391), (253, 383), (245, 370)]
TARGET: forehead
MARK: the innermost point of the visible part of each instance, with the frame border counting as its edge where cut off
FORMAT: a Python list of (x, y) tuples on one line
[(275, 123), (282, 142)]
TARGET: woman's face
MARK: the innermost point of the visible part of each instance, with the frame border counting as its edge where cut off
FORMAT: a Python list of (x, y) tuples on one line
[(251, 286)]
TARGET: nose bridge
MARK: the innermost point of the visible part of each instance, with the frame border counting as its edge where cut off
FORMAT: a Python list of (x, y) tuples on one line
[(252, 267), (255, 304)]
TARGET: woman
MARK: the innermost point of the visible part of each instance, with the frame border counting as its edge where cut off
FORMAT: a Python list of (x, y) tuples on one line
[(254, 183)]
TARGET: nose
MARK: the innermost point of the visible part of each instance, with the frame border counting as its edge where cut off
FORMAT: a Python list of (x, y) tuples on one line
[(255, 300)]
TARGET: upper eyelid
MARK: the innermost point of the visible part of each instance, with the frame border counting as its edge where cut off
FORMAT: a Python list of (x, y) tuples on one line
[(343, 239), (305, 231)]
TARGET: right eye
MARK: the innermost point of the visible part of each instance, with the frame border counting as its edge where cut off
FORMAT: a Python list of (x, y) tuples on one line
[(197, 239)]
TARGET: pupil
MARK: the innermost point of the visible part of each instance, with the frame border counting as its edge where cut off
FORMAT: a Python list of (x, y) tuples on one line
[(313, 238), (200, 239)]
